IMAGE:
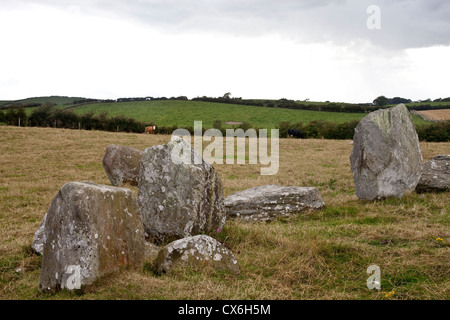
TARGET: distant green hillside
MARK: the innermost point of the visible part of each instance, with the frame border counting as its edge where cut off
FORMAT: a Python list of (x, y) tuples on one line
[(58, 100), (184, 113)]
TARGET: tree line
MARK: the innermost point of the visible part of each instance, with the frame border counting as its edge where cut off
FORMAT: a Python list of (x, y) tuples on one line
[(227, 99), (379, 102), (317, 129), (50, 116)]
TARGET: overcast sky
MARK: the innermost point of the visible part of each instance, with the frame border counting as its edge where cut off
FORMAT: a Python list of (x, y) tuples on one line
[(297, 49)]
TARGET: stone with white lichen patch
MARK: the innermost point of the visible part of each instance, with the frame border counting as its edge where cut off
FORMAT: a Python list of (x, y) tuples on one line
[(200, 249), (178, 200), (386, 159), (121, 164), (435, 175), (89, 231)]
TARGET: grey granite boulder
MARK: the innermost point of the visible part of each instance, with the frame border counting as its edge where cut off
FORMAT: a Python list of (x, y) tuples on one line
[(39, 238), (122, 164), (435, 175), (197, 250), (90, 230), (386, 159), (270, 201), (179, 199), (151, 251)]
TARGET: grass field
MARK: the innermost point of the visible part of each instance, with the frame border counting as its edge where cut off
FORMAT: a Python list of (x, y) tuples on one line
[(184, 113), (314, 255)]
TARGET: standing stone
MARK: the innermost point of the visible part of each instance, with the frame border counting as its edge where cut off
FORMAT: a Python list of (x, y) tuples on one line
[(271, 201), (121, 164), (386, 159), (200, 249), (435, 175), (90, 230), (179, 199)]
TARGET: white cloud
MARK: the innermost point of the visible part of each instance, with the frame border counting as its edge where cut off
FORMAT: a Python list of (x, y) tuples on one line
[(319, 50)]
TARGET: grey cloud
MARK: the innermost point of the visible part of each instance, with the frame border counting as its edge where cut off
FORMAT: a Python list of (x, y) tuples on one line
[(404, 23)]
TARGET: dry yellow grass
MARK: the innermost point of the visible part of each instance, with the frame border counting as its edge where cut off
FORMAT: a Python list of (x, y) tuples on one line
[(314, 255), (436, 115)]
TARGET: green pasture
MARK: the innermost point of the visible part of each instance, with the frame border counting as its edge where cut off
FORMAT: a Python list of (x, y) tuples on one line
[(184, 113)]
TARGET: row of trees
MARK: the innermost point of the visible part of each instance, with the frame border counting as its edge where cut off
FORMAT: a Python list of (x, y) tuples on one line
[(433, 132), (284, 103), (320, 129), (379, 102), (14, 117), (227, 99), (19, 105), (382, 101), (329, 107), (442, 100), (49, 116)]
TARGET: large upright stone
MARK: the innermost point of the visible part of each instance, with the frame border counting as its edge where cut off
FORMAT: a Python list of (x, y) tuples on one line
[(386, 159), (435, 175), (90, 231), (271, 201), (122, 164), (179, 197)]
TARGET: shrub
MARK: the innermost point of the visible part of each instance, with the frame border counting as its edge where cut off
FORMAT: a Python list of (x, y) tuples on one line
[(217, 124), (16, 115), (434, 132), (283, 128), (314, 129), (41, 116), (65, 119)]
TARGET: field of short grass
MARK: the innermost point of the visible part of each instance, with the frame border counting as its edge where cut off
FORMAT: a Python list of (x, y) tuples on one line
[(314, 255), (184, 113)]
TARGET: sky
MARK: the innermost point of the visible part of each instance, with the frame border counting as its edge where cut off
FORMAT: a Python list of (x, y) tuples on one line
[(321, 50)]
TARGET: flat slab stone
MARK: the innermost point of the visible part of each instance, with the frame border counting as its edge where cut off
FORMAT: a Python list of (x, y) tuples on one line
[(435, 175), (270, 201)]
